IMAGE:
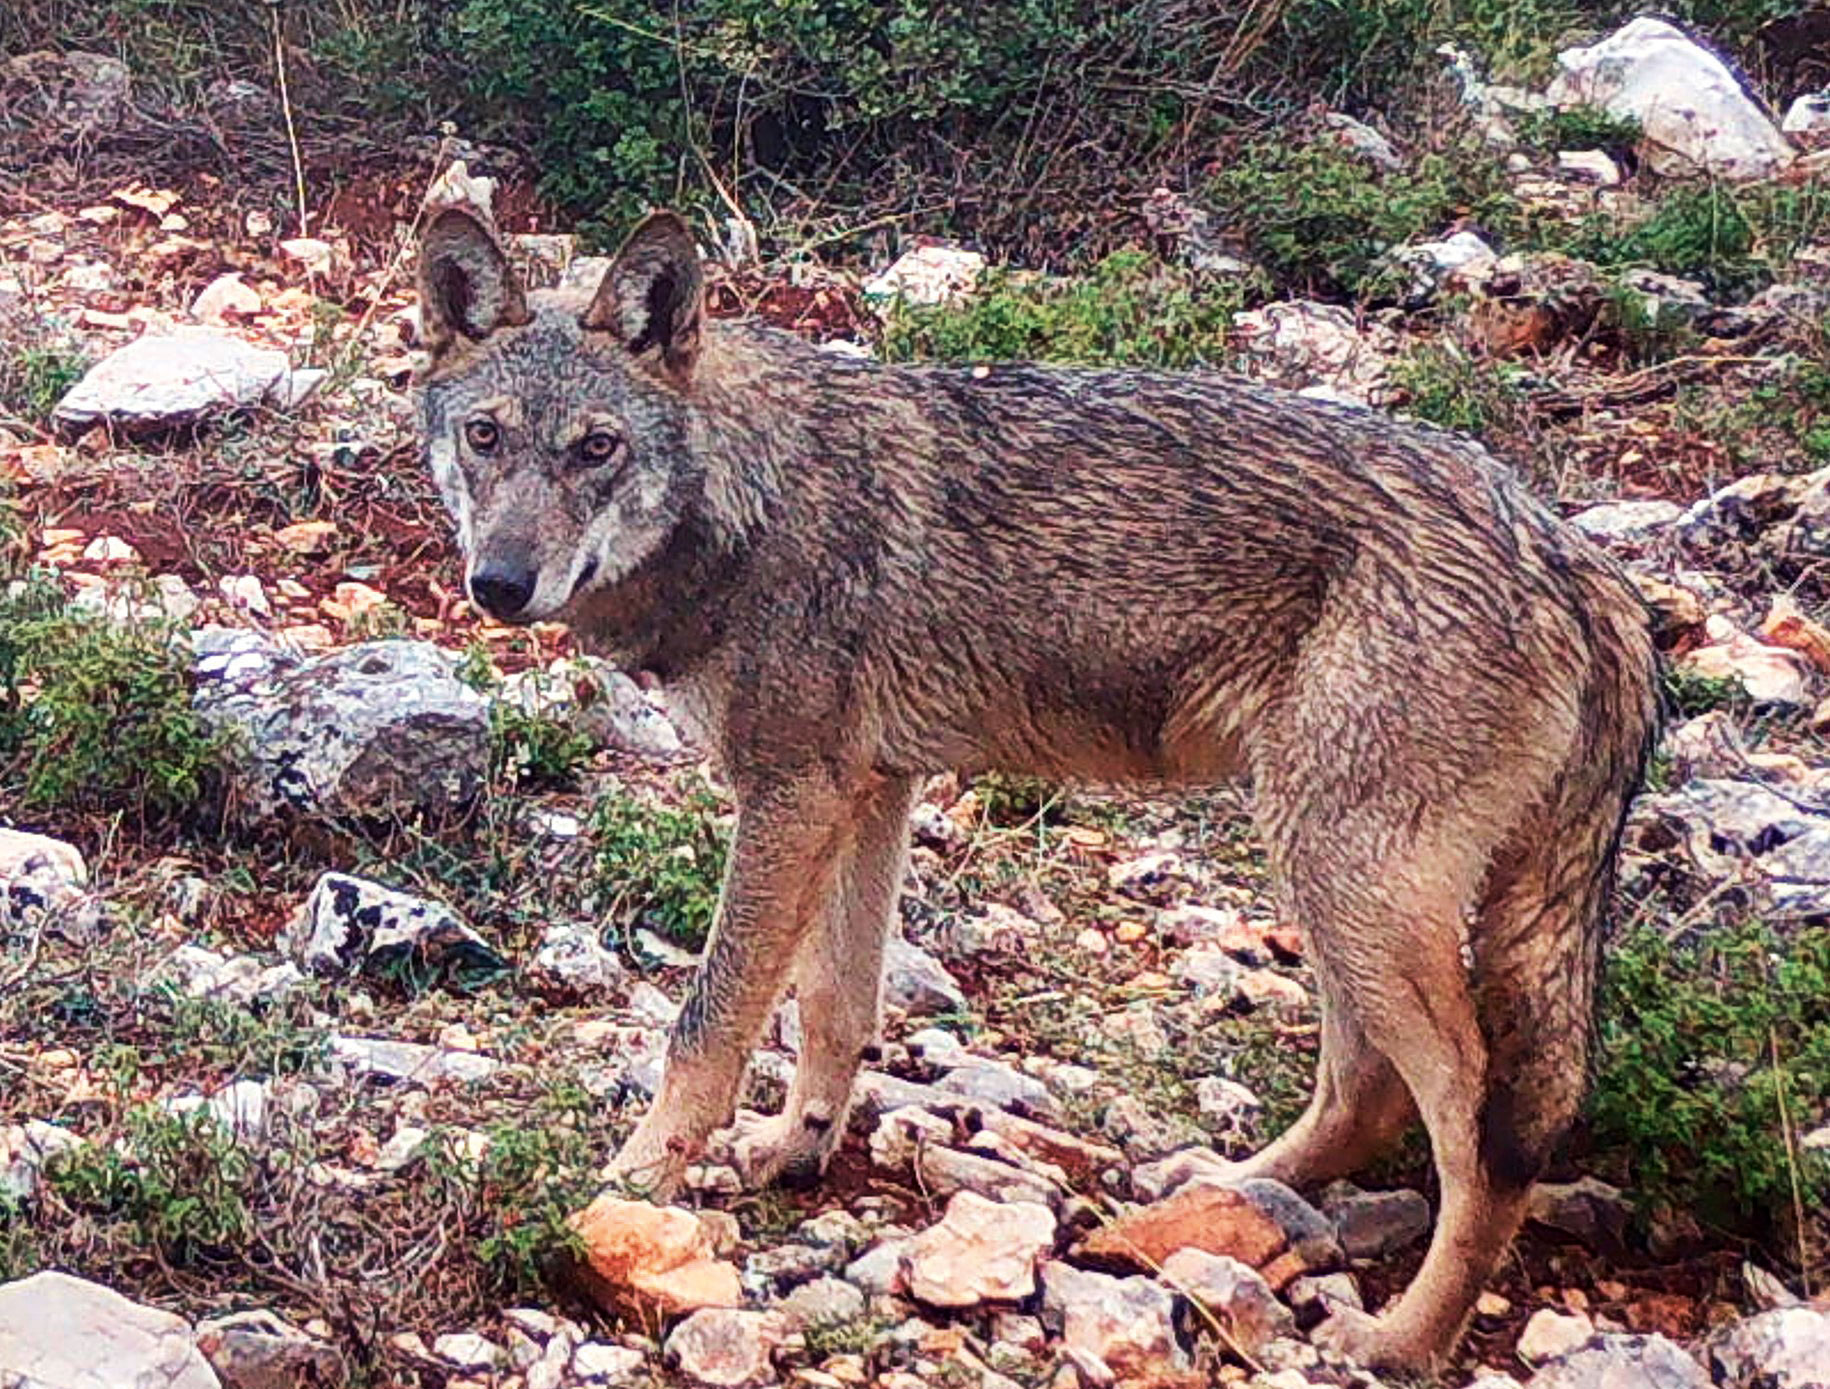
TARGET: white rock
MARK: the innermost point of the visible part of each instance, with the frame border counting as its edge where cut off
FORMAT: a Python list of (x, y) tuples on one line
[(1627, 521), (25, 1150), (258, 1350), (225, 296), (130, 601), (1362, 139), (985, 1081), (1234, 1291), (917, 983), (878, 1271), (1769, 674), (239, 1108), (1589, 166), (205, 973), (929, 275), (943, 1171), (1301, 343), (469, 1351), (247, 592), (599, 701), (412, 1062), (597, 1363), (1223, 1100), (1808, 115), (57, 1332), (902, 1133), (574, 960), (316, 256), (823, 1302), (1623, 1362), (350, 923), (1787, 1348), (401, 1148), (724, 1347), (1126, 1322), (1550, 1334), (171, 379), (371, 730), (1694, 112), (44, 881), (980, 1251), (109, 549), (1456, 261)]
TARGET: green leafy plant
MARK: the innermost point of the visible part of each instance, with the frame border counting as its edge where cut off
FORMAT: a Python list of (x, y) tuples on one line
[(1735, 240), (1579, 128), (530, 751), (1321, 218), (1446, 386), (33, 378), (95, 715), (1712, 1045), (1130, 310), (660, 866), (183, 1181), (1686, 695)]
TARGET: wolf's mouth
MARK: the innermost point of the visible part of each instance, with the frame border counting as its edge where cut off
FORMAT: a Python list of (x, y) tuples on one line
[(588, 573)]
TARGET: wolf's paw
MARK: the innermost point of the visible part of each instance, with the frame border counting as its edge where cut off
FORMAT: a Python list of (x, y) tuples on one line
[(1372, 1342), (768, 1149), (649, 1165)]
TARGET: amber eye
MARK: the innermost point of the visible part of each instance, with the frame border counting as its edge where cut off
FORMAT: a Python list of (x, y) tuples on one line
[(483, 435), (597, 447)]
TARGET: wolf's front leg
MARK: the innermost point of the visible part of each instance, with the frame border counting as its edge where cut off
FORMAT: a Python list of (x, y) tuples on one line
[(782, 871), (838, 979)]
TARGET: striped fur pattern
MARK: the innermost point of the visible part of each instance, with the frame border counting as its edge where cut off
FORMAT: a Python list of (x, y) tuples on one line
[(854, 575)]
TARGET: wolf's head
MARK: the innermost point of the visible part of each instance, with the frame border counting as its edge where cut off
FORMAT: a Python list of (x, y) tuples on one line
[(556, 427)]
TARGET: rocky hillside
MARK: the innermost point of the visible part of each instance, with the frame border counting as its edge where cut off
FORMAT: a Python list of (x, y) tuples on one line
[(340, 928)]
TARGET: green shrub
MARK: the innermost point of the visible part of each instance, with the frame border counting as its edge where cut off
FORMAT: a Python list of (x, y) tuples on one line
[(1735, 240), (1321, 218), (1444, 385), (34, 378), (514, 1199), (1649, 329), (96, 716), (660, 866), (1131, 310), (184, 1182), (529, 751), (1703, 1039), (1579, 128), (1686, 695)]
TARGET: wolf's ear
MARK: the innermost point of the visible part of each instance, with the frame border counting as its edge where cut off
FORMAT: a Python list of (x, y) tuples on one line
[(651, 298), (466, 285)]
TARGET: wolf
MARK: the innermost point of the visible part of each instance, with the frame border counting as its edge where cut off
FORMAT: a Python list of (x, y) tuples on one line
[(852, 575)]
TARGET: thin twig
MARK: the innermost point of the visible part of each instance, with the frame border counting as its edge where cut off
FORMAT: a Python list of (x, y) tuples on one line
[(1790, 1134), (277, 9)]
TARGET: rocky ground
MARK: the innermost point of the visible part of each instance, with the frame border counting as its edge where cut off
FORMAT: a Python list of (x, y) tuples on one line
[(322, 1054)]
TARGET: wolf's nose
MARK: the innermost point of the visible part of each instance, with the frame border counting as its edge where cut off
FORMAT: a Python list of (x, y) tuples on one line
[(502, 593)]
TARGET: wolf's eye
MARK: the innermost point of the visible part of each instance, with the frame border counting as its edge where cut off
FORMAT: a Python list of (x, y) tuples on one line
[(598, 447), (482, 435)]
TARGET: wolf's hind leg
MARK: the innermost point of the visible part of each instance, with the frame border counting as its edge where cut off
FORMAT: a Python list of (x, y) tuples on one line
[(838, 983), (1359, 1109), (1390, 947)]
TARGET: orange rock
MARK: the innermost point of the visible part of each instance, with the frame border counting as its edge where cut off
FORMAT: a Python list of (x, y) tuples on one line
[(1199, 1216), (1786, 626), (1080, 1158), (656, 1258)]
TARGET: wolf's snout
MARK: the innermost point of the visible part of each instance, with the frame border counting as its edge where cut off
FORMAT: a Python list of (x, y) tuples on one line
[(502, 592)]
